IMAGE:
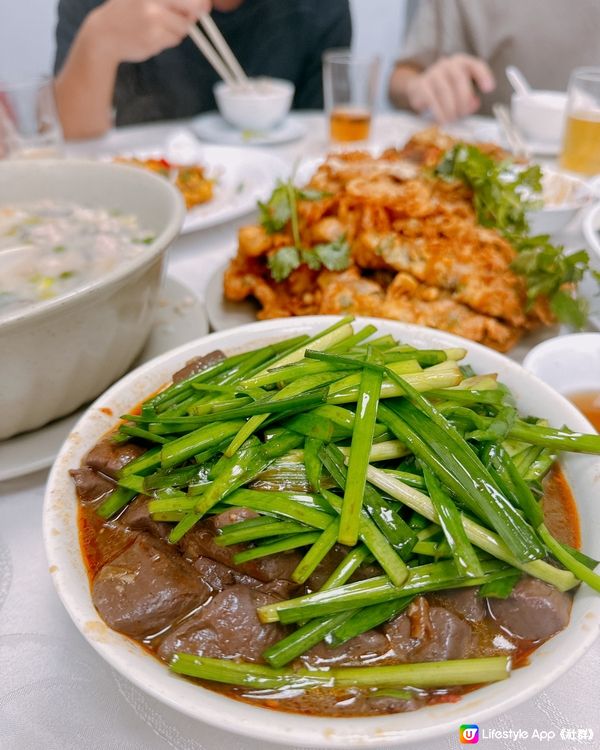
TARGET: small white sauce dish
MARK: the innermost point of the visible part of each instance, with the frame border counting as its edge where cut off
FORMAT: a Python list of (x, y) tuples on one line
[(564, 195), (591, 230), (567, 363), (540, 114), (261, 105)]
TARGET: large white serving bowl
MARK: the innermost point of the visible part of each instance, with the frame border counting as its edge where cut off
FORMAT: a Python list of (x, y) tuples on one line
[(71, 581), (58, 354)]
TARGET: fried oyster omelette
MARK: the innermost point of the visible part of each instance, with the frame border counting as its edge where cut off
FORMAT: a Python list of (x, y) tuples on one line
[(381, 236)]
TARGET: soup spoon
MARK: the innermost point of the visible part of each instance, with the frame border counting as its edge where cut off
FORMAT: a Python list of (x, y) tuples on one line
[(517, 80)]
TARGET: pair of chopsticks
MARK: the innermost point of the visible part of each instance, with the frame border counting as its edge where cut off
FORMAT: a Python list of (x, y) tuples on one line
[(219, 53), (516, 143)]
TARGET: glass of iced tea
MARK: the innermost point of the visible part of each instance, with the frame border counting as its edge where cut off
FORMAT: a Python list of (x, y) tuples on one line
[(349, 90), (581, 139)]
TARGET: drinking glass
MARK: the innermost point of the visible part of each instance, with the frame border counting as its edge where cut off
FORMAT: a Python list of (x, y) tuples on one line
[(581, 139), (349, 90), (29, 124)]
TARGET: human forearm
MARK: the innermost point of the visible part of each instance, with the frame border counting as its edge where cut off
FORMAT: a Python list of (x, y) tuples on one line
[(85, 85), (117, 31)]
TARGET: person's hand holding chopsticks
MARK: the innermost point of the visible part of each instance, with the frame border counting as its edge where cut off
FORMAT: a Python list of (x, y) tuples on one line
[(134, 30), (115, 32)]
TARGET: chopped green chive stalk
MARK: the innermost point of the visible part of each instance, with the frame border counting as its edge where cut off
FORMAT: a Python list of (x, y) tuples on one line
[(478, 535), (425, 675), (578, 568), (450, 519), (367, 618), (423, 578), (294, 506), (362, 439), (293, 541), (377, 543), (303, 639), (316, 553), (246, 532), (116, 501), (312, 446)]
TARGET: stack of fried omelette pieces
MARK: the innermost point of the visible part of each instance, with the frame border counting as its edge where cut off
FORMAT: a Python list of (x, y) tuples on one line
[(417, 253)]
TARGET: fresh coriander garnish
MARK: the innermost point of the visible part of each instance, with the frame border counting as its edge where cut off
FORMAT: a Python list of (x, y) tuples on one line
[(281, 209), (282, 262), (276, 212), (335, 256), (500, 200)]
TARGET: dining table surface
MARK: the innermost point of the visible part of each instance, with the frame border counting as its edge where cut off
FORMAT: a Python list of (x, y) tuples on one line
[(56, 693)]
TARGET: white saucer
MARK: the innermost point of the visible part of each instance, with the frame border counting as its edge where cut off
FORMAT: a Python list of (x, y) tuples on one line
[(223, 314), (181, 317), (491, 132), (213, 128)]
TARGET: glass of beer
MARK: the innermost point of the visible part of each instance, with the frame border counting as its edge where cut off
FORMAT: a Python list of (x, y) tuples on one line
[(581, 139), (349, 90), (29, 124)]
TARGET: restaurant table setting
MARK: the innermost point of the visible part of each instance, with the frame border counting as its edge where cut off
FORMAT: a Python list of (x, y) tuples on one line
[(56, 691)]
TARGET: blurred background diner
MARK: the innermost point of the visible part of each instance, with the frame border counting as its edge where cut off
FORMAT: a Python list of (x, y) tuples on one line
[(137, 55), (455, 53)]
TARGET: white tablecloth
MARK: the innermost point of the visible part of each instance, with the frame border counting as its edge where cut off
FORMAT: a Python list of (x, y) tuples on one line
[(55, 691)]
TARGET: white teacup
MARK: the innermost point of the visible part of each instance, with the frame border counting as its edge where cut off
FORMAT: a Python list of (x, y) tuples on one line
[(540, 114)]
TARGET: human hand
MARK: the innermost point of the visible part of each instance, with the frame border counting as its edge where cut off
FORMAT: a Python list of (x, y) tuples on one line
[(448, 88), (134, 30)]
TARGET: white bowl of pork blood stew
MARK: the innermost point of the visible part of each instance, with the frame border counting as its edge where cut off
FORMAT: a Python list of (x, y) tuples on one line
[(205, 604), (571, 365)]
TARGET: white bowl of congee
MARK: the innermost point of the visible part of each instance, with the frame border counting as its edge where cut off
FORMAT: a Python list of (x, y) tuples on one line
[(82, 246)]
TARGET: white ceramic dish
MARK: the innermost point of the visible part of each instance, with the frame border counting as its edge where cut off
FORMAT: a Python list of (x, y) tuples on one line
[(180, 317), (491, 133), (567, 363), (59, 354), (222, 313), (212, 127), (564, 196), (243, 177), (261, 105), (70, 577), (540, 114), (591, 232)]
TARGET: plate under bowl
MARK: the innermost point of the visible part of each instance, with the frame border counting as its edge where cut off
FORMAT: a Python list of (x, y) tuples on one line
[(70, 577)]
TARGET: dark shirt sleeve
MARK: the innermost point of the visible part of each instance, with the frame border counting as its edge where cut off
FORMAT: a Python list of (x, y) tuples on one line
[(71, 14), (331, 27)]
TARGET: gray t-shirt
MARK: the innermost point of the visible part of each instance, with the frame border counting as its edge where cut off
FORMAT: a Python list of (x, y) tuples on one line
[(546, 39), (280, 38)]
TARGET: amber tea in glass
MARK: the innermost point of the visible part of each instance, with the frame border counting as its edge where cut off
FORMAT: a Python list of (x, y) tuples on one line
[(349, 89)]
